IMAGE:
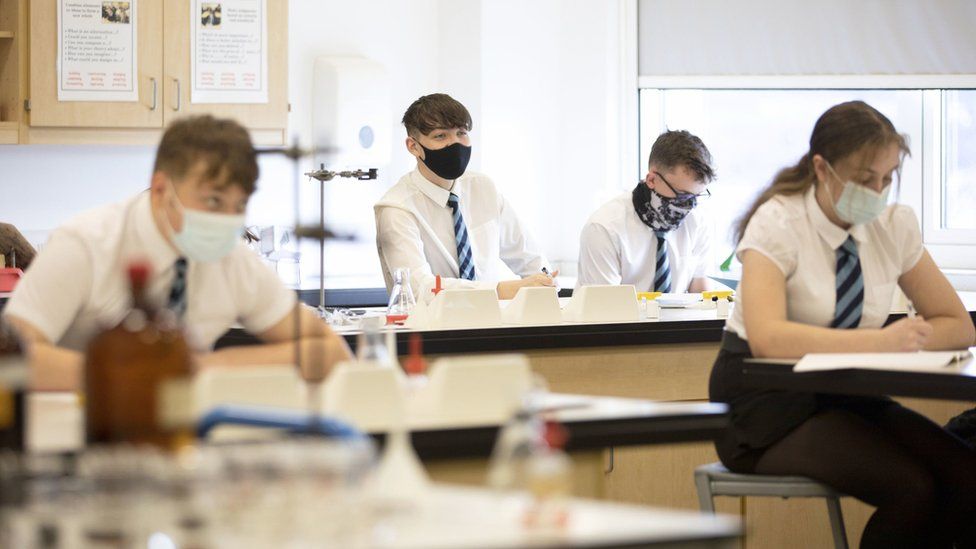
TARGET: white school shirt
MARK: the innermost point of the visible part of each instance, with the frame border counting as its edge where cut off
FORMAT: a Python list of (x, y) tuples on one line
[(415, 229), (78, 284), (616, 247), (795, 234)]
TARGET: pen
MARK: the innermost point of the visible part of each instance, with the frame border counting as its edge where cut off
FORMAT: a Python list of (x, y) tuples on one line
[(545, 270), (911, 310), (961, 356)]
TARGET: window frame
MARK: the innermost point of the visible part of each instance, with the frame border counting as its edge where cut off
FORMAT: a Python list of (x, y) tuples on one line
[(922, 188)]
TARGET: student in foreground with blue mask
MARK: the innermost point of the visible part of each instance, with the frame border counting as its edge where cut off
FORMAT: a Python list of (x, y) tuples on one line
[(442, 220), (188, 226), (821, 252), (653, 237)]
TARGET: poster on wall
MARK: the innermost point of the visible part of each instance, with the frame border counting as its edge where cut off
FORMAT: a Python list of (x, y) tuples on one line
[(97, 51), (229, 51)]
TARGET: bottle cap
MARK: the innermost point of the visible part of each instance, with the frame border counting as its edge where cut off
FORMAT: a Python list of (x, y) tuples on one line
[(556, 435), (139, 273), (416, 365)]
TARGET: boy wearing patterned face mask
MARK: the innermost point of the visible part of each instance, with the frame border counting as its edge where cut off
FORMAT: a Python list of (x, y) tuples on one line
[(441, 220), (188, 225), (651, 237)]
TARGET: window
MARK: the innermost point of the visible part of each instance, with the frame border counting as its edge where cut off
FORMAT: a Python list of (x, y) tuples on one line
[(754, 133), (958, 200)]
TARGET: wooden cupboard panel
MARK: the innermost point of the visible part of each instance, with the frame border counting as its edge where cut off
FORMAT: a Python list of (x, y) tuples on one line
[(124, 136), (13, 68), (657, 372), (47, 111), (8, 133), (273, 114)]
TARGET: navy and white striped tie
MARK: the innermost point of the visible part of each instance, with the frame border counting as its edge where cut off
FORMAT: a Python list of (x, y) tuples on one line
[(662, 270), (465, 259), (850, 287), (177, 291)]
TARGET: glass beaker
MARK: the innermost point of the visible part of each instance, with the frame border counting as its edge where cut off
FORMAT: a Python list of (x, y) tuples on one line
[(401, 297)]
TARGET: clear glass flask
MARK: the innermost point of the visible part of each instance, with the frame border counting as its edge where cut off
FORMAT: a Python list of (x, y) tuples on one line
[(401, 298)]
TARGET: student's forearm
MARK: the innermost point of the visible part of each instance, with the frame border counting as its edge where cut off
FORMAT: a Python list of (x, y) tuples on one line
[(55, 369), (950, 333), (786, 339), (699, 285), (318, 355)]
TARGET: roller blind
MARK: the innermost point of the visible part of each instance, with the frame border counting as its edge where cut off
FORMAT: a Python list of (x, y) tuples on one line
[(797, 37)]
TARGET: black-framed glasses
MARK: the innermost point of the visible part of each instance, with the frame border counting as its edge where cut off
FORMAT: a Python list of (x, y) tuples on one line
[(679, 195)]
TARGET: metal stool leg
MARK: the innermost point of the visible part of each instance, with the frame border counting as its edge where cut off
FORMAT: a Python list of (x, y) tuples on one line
[(703, 485), (837, 523)]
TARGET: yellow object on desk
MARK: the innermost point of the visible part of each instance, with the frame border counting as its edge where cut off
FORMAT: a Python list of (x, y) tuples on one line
[(721, 294), (648, 295)]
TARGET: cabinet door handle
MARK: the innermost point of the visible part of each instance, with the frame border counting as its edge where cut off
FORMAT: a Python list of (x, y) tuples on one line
[(178, 92), (153, 107)]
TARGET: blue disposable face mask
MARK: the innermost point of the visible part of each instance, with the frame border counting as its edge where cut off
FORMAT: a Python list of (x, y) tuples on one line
[(858, 204), (207, 236)]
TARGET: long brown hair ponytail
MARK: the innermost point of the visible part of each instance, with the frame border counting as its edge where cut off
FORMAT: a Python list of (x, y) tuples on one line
[(840, 132)]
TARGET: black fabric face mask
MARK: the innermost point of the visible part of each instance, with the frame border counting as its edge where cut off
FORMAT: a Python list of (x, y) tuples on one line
[(449, 162)]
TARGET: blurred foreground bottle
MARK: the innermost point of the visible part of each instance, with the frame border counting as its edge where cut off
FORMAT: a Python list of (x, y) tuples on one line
[(138, 377), (550, 481), (13, 389)]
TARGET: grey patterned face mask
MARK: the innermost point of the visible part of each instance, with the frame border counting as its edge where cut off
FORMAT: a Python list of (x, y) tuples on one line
[(661, 213)]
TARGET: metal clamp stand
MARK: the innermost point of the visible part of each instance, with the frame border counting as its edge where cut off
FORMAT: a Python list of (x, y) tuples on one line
[(322, 175), (318, 232)]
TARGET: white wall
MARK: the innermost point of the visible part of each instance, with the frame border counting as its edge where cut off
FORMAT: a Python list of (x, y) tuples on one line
[(549, 73), (537, 76), (41, 186)]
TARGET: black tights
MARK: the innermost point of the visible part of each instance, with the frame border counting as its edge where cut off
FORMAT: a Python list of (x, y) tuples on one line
[(921, 479)]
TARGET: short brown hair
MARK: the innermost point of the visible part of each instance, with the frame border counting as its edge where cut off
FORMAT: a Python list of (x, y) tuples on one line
[(222, 144), (675, 148), (437, 110)]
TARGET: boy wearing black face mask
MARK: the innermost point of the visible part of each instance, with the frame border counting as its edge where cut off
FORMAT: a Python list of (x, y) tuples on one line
[(440, 220), (651, 237)]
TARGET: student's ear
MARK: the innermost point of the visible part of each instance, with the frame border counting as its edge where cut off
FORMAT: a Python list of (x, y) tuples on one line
[(649, 179), (820, 168), (414, 148), (157, 185)]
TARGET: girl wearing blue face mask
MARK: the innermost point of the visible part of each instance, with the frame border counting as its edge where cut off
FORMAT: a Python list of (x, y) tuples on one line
[(822, 252)]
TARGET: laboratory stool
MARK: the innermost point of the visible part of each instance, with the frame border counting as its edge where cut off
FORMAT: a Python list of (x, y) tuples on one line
[(714, 479)]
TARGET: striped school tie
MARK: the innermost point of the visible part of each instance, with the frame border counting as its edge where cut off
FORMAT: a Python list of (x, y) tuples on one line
[(662, 270), (465, 260), (177, 292), (850, 287)]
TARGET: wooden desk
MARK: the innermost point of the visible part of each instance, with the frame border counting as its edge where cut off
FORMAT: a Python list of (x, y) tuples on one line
[(459, 453), (462, 518), (956, 382), (592, 423), (946, 394)]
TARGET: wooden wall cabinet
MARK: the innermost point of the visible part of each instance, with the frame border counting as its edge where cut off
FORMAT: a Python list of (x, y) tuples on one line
[(163, 77), (13, 63)]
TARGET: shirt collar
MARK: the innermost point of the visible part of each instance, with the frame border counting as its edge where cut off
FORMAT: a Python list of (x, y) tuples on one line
[(433, 191), (833, 235), (150, 242)]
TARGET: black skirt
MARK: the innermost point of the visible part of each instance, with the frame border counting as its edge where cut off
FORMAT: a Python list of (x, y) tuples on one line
[(758, 417)]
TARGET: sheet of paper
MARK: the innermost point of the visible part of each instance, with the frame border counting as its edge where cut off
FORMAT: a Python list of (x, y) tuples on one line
[(920, 362), (678, 301), (97, 51), (229, 51)]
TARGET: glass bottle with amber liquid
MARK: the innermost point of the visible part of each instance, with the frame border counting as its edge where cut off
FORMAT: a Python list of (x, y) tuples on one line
[(13, 389), (138, 376)]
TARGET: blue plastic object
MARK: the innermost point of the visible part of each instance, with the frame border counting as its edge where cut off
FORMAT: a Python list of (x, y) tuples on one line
[(276, 418)]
